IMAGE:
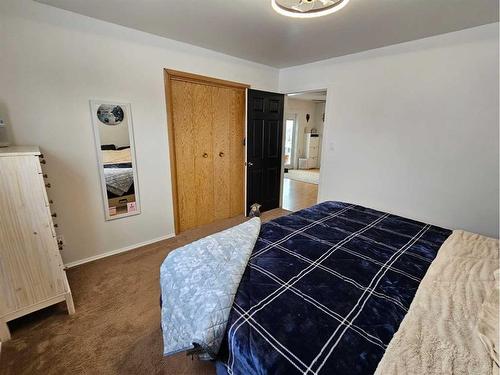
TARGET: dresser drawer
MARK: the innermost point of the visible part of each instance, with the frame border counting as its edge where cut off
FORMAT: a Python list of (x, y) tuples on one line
[(32, 268)]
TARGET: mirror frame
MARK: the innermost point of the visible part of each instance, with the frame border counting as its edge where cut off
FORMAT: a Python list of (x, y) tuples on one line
[(94, 104)]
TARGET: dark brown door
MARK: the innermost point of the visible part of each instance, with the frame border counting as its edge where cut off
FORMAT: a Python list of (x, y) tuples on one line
[(264, 137)]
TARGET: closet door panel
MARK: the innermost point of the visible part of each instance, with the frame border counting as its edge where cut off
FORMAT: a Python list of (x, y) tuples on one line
[(184, 134), (207, 130), (237, 165), (223, 101), (203, 117)]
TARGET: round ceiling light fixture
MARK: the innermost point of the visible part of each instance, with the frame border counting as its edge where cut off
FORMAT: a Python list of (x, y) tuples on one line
[(307, 8)]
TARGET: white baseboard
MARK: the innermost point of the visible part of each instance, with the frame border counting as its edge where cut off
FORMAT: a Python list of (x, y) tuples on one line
[(118, 251)]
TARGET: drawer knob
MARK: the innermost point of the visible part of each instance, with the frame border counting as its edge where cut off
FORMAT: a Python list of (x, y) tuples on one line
[(45, 175), (43, 161), (54, 215), (56, 225), (48, 185)]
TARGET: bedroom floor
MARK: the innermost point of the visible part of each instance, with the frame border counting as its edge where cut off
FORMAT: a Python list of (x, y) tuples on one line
[(298, 195), (116, 328)]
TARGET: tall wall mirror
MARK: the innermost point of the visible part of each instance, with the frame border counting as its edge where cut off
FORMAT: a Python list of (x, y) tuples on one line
[(114, 139)]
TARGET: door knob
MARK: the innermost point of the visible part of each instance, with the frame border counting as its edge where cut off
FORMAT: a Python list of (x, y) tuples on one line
[(250, 164), (221, 154), (205, 155)]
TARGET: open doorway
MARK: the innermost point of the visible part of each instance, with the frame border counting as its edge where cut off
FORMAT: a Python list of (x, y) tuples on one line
[(303, 134)]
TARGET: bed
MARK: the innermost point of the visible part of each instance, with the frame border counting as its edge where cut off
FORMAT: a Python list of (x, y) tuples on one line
[(326, 288), (118, 172), (324, 291)]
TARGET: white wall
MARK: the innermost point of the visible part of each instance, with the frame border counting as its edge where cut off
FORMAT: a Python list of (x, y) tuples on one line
[(51, 63), (319, 125), (413, 128), (318, 116), (117, 135)]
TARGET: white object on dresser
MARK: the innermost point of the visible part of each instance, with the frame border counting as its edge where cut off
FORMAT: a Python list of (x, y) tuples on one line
[(32, 275), (311, 150), (4, 139)]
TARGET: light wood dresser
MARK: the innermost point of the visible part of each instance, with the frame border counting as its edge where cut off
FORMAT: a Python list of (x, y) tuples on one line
[(32, 275)]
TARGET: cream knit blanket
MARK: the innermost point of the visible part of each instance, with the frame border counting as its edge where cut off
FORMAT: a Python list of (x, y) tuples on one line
[(439, 335)]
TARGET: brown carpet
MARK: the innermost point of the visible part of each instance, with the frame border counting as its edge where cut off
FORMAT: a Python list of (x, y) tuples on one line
[(116, 328)]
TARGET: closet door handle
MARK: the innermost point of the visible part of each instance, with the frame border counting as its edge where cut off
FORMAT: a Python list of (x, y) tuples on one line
[(221, 154), (205, 155)]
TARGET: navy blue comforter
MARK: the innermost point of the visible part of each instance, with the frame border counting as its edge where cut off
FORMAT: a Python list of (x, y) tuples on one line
[(325, 290)]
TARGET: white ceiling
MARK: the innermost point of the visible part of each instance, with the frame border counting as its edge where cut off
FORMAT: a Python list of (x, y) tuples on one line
[(251, 30)]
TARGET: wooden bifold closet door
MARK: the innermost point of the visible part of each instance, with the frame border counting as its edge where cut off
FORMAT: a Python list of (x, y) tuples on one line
[(206, 131)]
